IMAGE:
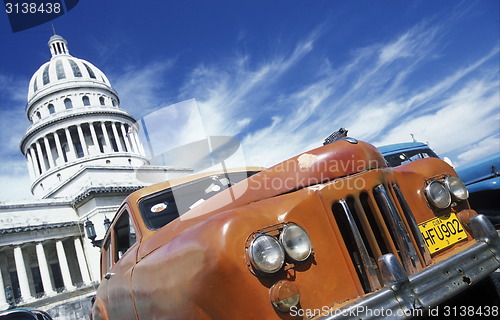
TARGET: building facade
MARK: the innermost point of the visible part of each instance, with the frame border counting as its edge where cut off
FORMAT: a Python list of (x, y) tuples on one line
[(83, 158)]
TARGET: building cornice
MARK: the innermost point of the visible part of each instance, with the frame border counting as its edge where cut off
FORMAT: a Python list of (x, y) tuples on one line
[(40, 227), (105, 190)]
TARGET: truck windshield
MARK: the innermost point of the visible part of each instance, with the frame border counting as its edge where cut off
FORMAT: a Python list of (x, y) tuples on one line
[(163, 207)]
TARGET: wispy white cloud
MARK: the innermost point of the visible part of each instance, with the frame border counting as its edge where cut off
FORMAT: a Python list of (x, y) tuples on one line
[(465, 117), (13, 123), (373, 94), (14, 177), (287, 103), (143, 89), (479, 149)]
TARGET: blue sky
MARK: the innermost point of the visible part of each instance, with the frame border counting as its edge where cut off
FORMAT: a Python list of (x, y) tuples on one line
[(280, 75)]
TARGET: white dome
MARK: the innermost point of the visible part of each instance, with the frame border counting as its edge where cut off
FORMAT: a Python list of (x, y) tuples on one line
[(63, 71)]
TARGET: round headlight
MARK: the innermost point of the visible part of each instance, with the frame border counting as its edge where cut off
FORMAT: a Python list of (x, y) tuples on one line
[(296, 242), (438, 194), (457, 188), (266, 254)]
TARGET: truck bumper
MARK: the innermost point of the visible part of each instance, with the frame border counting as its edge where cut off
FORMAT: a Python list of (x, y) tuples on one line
[(403, 294)]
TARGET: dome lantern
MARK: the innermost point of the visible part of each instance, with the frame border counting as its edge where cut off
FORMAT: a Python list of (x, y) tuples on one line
[(58, 45)]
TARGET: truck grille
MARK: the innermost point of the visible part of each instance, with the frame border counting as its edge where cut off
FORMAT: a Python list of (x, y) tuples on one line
[(375, 222)]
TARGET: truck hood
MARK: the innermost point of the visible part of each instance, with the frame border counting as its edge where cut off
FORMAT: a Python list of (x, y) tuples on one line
[(338, 159)]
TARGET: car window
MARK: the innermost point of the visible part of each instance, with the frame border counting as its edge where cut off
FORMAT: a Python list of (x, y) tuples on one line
[(400, 158), (124, 235), (163, 207), (107, 256)]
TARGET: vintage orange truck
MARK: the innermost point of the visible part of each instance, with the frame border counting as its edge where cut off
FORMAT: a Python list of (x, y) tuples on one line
[(331, 233)]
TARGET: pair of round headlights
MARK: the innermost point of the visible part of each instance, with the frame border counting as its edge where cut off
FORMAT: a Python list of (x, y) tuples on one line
[(267, 253), (441, 193)]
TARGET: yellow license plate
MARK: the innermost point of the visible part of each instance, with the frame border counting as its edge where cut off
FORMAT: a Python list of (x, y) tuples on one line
[(442, 232)]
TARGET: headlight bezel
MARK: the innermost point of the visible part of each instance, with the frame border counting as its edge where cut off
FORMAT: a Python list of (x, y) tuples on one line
[(451, 183), (298, 257), (258, 265), (275, 232), (433, 198)]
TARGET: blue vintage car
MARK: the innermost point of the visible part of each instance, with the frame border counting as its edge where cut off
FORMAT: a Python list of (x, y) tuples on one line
[(401, 153), (482, 178)]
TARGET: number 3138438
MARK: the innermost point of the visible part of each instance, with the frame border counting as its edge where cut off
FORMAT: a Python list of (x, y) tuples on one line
[(33, 8)]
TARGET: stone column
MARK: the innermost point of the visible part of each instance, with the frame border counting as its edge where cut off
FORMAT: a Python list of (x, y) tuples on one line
[(44, 270), (72, 152), (35, 162), (131, 140), (139, 145), (60, 154), (63, 263), (82, 140), (40, 157), (49, 152), (30, 168), (21, 274), (127, 144), (82, 263), (3, 299), (117, 137), (108, 147), (94, 138)]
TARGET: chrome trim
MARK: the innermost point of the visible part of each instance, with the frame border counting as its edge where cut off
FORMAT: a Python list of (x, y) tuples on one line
[(447, 184), (483, 230), (413, 225), (393, 273), (429, 287), (252, 260), (431, 200), (282, 241), (368, 267), (407, 251)]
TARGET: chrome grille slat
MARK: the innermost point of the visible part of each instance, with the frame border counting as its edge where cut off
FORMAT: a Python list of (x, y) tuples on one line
[(408, 253), (367, 264), (377, 222), (413, 225)]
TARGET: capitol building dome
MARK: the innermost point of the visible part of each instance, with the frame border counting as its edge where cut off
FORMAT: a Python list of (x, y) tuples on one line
[(64, 72), (78, 130)]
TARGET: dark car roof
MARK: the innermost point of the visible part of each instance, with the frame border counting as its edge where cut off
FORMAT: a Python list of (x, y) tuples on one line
[(24, 314)]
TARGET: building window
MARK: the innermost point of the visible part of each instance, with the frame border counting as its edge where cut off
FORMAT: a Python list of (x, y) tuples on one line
[(91, 73), (60, 70), (35, 86), (45, 75), (101, 101), (38, 115), (75, 68), (51, 108), (86, 101), (114, 103), (67, 103)]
